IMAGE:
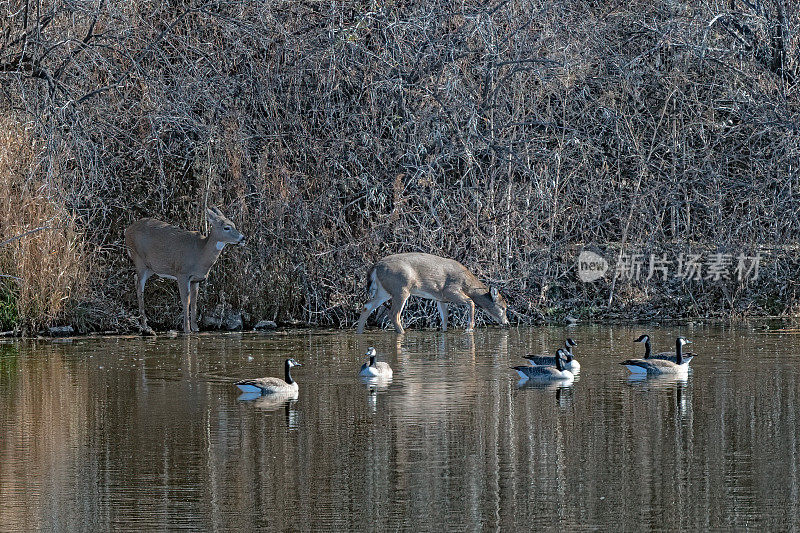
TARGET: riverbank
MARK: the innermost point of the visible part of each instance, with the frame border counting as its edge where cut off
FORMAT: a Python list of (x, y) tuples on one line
[(774, 325)]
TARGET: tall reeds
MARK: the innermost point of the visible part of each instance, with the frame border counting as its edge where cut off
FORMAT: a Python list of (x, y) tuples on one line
[(43, 260)]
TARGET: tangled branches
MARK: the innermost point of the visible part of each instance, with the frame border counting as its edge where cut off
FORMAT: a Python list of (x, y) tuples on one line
[(504, 135)]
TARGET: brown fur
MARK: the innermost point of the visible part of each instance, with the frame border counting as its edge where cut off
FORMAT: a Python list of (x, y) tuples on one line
[(399, 276), (156, 247)]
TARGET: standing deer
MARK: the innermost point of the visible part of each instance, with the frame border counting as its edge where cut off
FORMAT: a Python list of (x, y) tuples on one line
[(397, 277), (175, 253)]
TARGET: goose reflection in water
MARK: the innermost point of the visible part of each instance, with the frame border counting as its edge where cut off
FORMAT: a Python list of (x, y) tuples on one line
[(661, 381), (375, 387), (379, 383), (270, 402), (563, 390), (273, 403), (664, 382)]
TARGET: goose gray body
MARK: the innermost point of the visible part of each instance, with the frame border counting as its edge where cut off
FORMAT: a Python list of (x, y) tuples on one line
[(544, 372), (657, 365), (270, 385), (671, 356)]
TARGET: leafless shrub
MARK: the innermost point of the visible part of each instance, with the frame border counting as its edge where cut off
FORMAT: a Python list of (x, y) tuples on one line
[(504, 135)]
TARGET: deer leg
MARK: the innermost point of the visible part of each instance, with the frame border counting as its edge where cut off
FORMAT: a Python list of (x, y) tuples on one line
[(195, 289), (398, 303), (184, 287), (443, 314), (380, 297), (460, 298), (369, 307), (141, 279), (471, 325)]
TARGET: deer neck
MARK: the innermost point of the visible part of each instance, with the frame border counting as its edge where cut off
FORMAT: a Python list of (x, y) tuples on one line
[(473, 286), (477, 291), (210, 248)]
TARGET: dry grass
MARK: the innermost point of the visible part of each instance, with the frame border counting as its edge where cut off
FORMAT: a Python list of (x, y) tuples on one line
[(42, 258)]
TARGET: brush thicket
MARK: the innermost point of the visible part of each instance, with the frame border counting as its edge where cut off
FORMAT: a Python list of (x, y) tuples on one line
[(505, 136)]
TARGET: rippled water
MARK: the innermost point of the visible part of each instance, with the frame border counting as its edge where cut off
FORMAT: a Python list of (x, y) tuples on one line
[(138, 433)]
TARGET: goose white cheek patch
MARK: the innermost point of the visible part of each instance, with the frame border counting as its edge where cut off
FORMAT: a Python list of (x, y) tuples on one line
[(220, 245)]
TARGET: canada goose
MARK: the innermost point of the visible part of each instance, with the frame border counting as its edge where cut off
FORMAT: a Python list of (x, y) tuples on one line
[(546, 372), (375, 369), (669, 356), (547, 360), (286, 386), (656, 366)]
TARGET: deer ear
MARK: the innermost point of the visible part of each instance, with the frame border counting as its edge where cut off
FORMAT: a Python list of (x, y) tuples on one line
[(212, 216), (217, 211), (494, 293)]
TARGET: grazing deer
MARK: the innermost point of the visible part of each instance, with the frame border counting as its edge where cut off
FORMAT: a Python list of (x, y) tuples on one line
[(397, 277), (175, 253)]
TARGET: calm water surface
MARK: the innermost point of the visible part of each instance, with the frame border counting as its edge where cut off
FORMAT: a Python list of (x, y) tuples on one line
[(144, 434)]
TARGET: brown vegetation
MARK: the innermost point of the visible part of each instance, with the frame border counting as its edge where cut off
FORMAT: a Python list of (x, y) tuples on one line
[(504, 135), (42, 256)]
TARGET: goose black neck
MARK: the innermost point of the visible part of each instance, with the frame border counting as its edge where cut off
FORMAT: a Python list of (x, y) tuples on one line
[(559, 365), (287, 373), (678, 352), (647, 348), (371, 360), (568, 349)]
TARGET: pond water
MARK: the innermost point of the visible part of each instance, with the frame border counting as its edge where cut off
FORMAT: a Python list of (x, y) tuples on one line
[(142, 433)]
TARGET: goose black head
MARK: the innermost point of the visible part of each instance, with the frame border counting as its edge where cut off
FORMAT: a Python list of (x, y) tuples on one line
[(371, 353), (568, 345)]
